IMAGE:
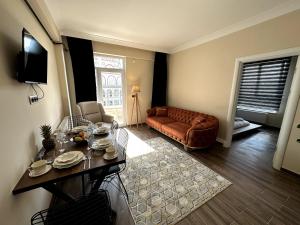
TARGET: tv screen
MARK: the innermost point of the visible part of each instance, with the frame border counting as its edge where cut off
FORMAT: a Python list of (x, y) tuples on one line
[(33, 60)]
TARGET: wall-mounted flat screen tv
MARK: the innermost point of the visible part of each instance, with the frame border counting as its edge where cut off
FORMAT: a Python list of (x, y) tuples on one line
[(33, 60)]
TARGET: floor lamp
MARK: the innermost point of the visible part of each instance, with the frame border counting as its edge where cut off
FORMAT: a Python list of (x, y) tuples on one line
[(134, 94)]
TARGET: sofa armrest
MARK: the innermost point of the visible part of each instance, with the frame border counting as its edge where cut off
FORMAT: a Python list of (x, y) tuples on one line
[(151, 112), (203, 134), (107, 118)]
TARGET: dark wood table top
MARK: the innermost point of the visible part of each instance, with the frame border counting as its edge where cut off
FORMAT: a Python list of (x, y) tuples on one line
[(27, 183)]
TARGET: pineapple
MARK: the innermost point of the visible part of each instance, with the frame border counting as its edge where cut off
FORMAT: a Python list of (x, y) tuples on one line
[(48, 142)]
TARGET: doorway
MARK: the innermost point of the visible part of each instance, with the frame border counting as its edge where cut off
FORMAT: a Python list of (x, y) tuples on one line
[(263, 93), (110, 82), (288, 115)]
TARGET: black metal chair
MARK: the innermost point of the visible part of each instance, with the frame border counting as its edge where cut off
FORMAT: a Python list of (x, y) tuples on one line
[(114, 171), (93, 209), (114, 126), (100, 175)]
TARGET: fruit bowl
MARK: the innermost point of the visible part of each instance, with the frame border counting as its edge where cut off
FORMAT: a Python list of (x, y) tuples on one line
[(79, 139)]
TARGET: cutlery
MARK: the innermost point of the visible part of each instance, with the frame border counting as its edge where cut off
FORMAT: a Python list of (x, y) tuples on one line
[(85, 158), (89, 158)]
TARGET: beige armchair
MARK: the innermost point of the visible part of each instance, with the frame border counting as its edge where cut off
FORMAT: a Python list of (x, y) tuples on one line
[(94, 112)]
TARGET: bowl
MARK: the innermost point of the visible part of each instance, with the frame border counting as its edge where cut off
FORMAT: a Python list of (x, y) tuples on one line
[(39, 165), (79, 140)]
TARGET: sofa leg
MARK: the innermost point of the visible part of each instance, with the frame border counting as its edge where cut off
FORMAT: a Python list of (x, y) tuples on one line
[(186, 148)]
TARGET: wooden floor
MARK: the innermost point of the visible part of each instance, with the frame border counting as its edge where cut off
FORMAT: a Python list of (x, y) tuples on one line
[(258, 194)]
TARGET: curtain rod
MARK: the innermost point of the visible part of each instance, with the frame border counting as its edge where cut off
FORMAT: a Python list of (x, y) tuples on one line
[(32, 11)]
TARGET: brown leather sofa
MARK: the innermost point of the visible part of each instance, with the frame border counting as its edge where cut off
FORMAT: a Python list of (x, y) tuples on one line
[(192, 129)]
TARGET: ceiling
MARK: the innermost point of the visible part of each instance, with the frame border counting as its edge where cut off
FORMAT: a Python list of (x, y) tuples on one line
[(161, 25)]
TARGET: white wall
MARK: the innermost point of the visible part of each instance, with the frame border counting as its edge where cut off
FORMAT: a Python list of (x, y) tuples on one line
[(20, 121)]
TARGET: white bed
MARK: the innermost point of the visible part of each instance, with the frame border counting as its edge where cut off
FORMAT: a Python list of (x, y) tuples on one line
[(241, 126)]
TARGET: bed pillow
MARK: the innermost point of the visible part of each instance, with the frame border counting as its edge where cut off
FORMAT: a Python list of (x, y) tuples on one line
[(160, 111)]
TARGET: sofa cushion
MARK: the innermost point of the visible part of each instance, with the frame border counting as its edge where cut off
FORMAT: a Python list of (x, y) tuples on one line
[(157, 121), (176, 129), (161, 111)]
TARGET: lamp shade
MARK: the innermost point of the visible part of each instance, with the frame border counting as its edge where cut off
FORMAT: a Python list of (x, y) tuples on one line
[(135, 89)]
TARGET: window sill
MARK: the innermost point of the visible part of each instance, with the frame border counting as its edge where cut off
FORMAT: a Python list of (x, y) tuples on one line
[(257, 110)]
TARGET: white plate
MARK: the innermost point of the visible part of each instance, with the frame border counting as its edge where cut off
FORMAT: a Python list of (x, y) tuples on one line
[(79, 129), (67, 157), (77, 160), (99, 124), (107, 157), (77, 154), (100, 147), (102, 142), (111, 149), (34, 174), (68, 165), (101, 130)]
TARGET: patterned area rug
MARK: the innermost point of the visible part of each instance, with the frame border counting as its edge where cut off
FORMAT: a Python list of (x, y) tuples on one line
[(165, 184)]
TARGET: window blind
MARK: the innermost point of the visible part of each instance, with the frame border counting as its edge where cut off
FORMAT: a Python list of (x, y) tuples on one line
[(262, 84)]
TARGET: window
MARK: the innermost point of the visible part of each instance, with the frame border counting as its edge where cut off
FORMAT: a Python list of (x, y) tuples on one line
[(109, 92), (263, 83), (110, 80), (116, 93)]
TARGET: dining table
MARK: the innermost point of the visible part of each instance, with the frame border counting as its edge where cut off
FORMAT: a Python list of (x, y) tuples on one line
[(49, 180)]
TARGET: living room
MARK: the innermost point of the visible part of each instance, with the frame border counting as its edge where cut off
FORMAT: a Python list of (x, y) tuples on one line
[(184, 62)]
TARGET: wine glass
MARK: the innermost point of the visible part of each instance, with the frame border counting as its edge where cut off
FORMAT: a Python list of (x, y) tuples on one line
[(61, 138)]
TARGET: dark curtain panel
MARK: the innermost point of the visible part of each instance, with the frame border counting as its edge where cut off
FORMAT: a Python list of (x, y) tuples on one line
[(160, 75), (82, 57)]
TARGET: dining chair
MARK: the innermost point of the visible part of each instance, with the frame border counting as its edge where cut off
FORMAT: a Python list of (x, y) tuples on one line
[(92, 209), (77, 120), (114, 127), (115, 171)]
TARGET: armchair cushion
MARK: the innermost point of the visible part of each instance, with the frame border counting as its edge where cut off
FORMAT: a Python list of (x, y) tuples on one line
[(107, 118), (94, 112), (90, 111)]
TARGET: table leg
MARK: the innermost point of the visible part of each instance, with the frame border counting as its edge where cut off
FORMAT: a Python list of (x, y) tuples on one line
[(58, 192), (83, 184)]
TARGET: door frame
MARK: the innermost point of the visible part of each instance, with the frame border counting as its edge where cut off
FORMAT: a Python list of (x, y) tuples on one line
[(124, 81), (291, 105)]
